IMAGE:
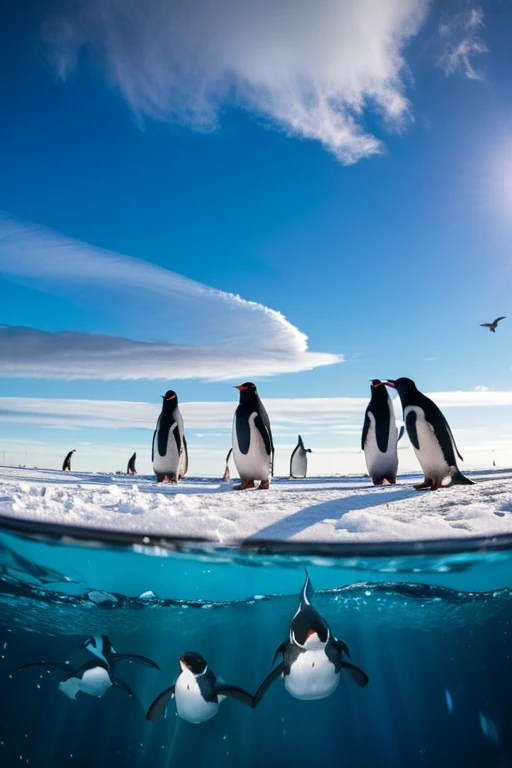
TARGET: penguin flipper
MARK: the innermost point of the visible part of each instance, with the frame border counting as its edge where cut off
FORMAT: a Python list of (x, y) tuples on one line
[(356, 674), (410, 423), (366, 427), (341, 646), (126, 689), (267, 683), (159, 705), (264, 432), (132, 657), (56, 664), (238, 694), (400, 433), (279, 651)]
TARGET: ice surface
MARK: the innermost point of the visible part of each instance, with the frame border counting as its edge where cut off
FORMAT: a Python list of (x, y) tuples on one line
[(342, 509)]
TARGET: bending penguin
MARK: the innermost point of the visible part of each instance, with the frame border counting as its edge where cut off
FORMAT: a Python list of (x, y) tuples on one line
[(253, 448), (67, 461), (101, 647), (227, 474), (379, 439), (196, 691), (131, 465), (168, 441), (430, 436), (299, 460), (312, 658)]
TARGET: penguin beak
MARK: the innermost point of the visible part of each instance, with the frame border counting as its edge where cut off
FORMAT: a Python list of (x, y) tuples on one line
[(170, 398), (311, 632), (240, 387), (389, 383)]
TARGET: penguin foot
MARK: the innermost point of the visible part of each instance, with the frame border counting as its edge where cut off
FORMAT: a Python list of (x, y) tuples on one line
[(264, 485), (424, 485), (244, 485)]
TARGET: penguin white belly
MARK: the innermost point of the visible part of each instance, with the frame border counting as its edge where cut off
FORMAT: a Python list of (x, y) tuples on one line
[(312, 676), (299, 464), (190, 704), (430, 454), (170, 462), (380, 464), (255, 464), (94, 682)]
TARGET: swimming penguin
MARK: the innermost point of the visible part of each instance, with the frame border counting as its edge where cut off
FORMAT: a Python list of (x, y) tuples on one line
[(93, 678), (430, 436), (253, 448), (102, 648), (379, 438), (67, 461), (492, 326), (168, 440), (131, 465), (184, 459), (312, 658), (299, 460), (197, 692), (227, 474)]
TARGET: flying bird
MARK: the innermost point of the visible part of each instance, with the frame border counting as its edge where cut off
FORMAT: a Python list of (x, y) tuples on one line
[(492, 326)]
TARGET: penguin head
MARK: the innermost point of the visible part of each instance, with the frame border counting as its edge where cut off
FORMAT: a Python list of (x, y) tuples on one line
[(193, 662), (403, 385), (247, 391), (170, 400), (309, 632), (374, 383)]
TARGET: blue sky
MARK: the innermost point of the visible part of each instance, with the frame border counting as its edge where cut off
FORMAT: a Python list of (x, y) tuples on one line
[(349, 168)]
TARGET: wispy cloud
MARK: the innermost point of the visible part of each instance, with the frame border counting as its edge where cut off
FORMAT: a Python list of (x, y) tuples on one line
[(338, 415), (461, 43), (220, 335), (311, 68)]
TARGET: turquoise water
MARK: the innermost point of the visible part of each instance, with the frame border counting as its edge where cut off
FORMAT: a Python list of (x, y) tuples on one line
[(432, 629)]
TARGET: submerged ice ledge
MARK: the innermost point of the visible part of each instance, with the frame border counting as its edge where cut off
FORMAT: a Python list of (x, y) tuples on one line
[(337, 509)]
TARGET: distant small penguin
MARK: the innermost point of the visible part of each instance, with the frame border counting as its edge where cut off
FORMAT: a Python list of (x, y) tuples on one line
[(430, 436), (168, 441), (101, 647), (379, 438), (299, 460), (67, 461), (227, 474), (93, 678), (184, 459), (312, 658), (196, 692), (131, 465), (253, 447)]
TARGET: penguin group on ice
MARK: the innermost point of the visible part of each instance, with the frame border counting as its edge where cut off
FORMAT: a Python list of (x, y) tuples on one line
[(312, 663)]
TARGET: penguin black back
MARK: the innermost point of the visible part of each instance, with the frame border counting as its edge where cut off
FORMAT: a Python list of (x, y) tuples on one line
[(379, 407), (167, 419)]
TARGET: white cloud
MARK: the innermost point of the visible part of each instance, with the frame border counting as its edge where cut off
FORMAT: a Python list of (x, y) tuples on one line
[(311, 68), (462, 43), (221, 335)]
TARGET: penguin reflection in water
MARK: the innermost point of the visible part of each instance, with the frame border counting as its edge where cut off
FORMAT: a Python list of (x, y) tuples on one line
[(168, 441), (197, 692), (253, 447), (312, 658), (430, 436), (95, 677)]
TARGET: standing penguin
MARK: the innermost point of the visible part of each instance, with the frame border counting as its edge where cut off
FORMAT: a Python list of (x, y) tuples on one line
[(379, 438), (312, 658), (227, 474), (168, 440), (299, 460), (253, 448), (430, 436), (67, 461), (197, 692), (131, 465)]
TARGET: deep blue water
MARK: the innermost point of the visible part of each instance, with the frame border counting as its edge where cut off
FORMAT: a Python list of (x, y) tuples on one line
[(433, 632)]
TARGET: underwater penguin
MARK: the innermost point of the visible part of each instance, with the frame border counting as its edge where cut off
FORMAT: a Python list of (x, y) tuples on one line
[(131, 465), (227, 474), (67, 461), (312, 658), (430, 436), (253, 448), (101, 647), (196, 692), (299, 460), (168, 441), (184, 459), (93, 678), (379, 438)]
